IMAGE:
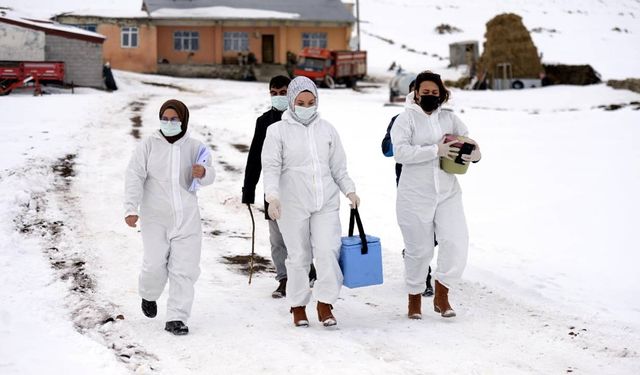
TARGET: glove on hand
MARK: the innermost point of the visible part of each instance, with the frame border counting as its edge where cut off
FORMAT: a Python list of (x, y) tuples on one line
[(274, 209)]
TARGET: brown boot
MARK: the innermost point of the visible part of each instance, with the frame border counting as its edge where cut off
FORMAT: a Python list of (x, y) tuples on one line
[(441, 301), (325, 315), (299, 316), (415, 306)]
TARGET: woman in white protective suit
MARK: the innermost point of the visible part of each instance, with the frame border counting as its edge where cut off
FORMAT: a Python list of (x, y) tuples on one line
[(305, 169), (158, 182), (429, 199)]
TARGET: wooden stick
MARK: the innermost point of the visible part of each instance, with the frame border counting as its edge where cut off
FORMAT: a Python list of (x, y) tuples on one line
[(253, 242)]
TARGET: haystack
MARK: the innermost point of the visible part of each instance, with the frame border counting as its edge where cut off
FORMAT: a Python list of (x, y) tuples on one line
[(508, 41), (561, 74)]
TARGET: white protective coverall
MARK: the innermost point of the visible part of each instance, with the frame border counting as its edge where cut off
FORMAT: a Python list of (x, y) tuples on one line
[(305, 167), (429, 199), (157, 181)]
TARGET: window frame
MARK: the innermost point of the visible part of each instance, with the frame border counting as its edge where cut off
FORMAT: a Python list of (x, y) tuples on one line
[(316, 39), (236, 39), (186, 37), (129, 31)]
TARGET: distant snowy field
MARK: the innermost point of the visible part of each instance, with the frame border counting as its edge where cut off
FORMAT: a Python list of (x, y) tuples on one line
[(551, 284), (583, 32)]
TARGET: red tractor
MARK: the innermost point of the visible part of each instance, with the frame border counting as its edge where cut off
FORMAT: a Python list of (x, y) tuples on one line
[(328, 68), (15, 74)]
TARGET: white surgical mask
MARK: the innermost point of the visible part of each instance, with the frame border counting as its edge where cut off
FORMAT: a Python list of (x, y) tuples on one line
[(305, 113), (279, 102), (170, 128)]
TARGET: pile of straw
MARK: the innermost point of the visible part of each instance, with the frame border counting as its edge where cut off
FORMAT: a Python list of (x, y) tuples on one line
[(508, 41)]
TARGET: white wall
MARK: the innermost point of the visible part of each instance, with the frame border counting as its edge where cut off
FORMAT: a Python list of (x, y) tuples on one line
[(21, 44)]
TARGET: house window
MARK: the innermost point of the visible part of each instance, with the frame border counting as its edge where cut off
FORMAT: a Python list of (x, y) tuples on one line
[(186, 40), (314, 40), (129, 37), (236, 41), (89, 27)]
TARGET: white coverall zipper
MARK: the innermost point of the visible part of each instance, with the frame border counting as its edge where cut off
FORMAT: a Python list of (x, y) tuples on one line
[(175, 185), (436, 161), (317, 182)]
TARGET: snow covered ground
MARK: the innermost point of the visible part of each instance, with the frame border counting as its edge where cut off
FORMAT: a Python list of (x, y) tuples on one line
[(549, 288), (572, 32), (551, 285)]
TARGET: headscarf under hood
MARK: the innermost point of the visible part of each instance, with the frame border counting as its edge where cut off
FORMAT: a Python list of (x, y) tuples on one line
[(298, 85), (183, 115)]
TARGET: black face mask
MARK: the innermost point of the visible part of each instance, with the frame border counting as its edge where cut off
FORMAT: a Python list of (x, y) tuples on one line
[(429, 103)]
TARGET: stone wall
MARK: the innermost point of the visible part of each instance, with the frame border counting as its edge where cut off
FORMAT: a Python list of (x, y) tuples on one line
[(82, 60), (205, 71)]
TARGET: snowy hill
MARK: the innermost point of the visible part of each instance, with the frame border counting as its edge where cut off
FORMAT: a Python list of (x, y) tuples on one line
[(573, 31), (551, 284)]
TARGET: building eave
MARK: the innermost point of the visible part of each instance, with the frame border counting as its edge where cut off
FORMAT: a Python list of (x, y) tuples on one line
[(56, 32)]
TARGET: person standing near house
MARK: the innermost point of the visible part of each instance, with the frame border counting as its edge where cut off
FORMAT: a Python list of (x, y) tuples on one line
[(107, 76), (305, 169), (429, 199), (387, 150), (158, 191), (278, 91)]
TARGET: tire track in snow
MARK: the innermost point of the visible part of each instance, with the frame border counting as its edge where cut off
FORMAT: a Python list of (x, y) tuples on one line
[(46, 217)]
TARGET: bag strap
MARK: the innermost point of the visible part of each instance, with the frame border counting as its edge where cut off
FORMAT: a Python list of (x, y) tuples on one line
[(363, 237)]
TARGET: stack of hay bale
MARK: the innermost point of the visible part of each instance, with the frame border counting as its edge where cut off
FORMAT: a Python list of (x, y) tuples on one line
[(508, 41), (560, 74)]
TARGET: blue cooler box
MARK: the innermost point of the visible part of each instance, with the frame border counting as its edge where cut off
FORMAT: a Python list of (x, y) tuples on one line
[(361, 265)]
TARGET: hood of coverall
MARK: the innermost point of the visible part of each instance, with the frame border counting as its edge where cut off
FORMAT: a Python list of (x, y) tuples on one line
[(298, 85), (183, 114)]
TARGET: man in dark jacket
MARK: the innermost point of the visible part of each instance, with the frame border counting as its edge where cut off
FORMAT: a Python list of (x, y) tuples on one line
[(278, 91), (387, 150)]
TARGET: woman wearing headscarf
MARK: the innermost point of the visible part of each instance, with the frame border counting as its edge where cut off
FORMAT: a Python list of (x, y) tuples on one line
[(158, 190), (429, 199), (305, 169)]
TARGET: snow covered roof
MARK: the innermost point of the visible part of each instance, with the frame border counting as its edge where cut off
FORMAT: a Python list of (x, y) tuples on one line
[(115, 12), (299, 10), (50, 27), (303, 10), (222, 12)]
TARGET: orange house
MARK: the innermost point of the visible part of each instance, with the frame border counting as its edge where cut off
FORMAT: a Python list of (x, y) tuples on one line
[(216, 32)]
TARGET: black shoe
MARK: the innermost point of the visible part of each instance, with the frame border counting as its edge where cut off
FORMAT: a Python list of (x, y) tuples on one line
[(176, 327), (149, 308), (282, 289), (428, 292), (313, 276)]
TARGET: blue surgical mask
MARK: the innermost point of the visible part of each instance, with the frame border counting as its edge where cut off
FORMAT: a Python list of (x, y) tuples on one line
[(305, 113), (170, 128), (279, 102)]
